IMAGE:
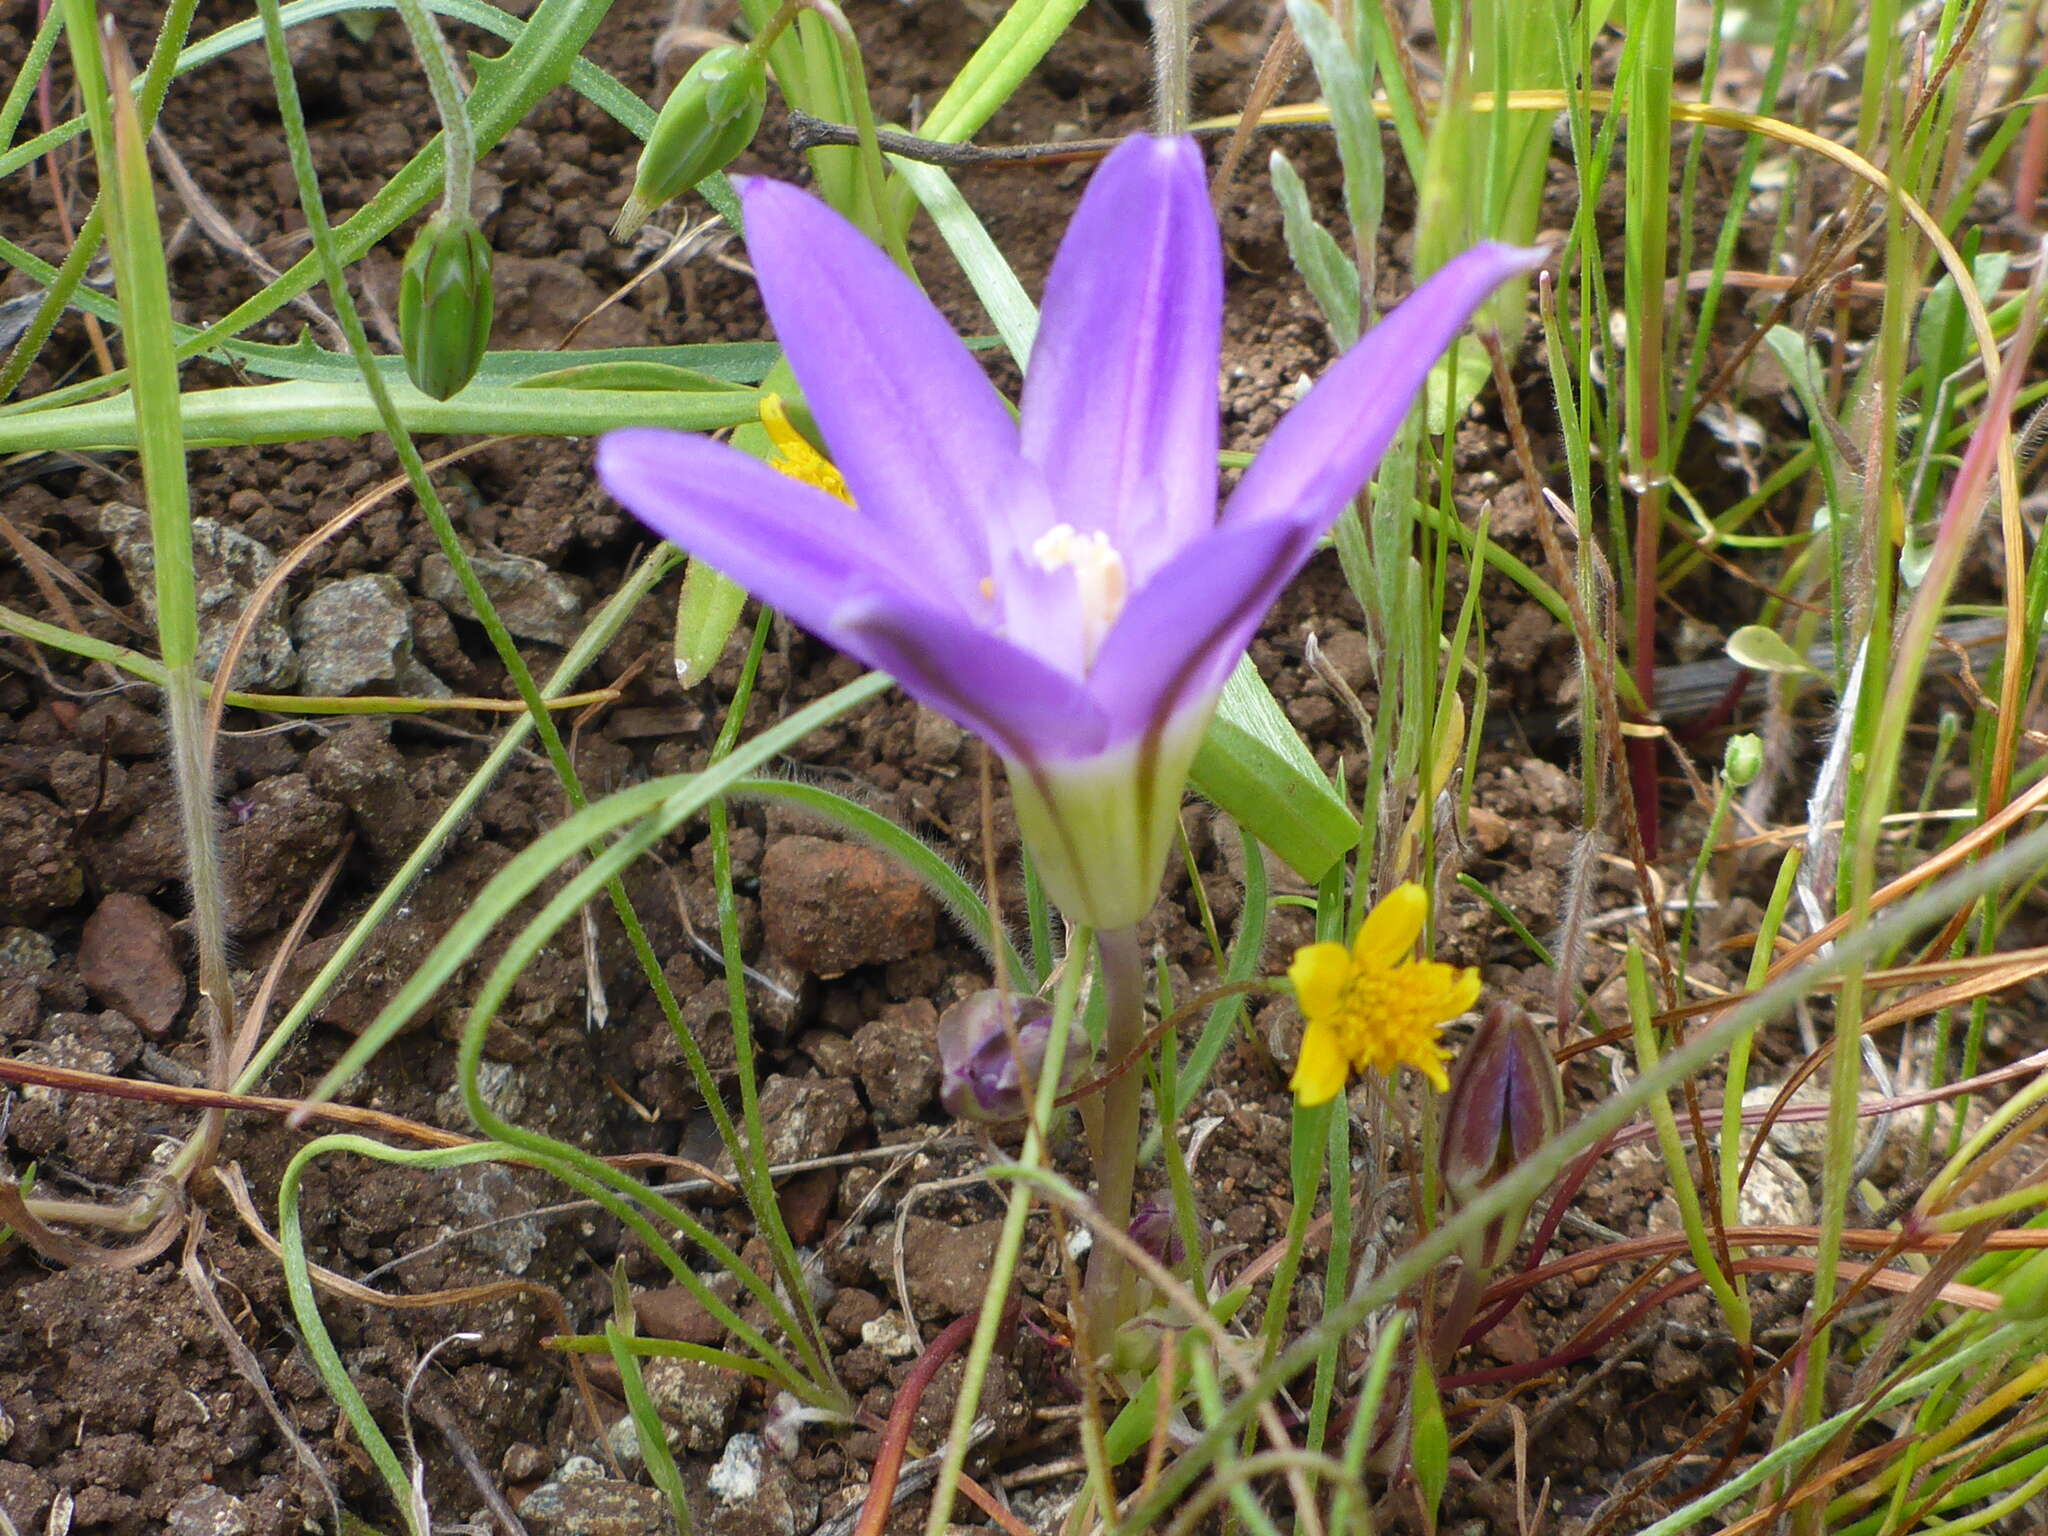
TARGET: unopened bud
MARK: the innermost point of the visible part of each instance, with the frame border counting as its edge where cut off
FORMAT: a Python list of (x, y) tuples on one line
[(1505, 1101), (444, 304), (982, 1076), (707, 120), (1742, 759), (1154, 1230)]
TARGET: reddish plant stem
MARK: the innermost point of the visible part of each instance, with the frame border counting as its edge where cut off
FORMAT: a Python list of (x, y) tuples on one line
[(874, 1511)]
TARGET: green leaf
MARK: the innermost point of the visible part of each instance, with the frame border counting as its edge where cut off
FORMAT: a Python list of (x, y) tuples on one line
[(661, 1466), (735, 362), (1454, 383), (1254, 767), (705, 616), (1765, 650), (1942, 332), (987, 272), (1345, 73), (300, 409), (635, 375), (1429, 1445), (1331, 278)]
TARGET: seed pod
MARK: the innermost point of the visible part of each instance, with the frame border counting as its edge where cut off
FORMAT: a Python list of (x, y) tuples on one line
[(1505, 1101), (444, 304), (707, 120), (979, 1076)]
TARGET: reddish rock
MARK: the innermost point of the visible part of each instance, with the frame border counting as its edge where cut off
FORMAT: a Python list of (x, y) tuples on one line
[(279, 837), (126, 957), (829, 907), (673, 1313), (806, 1200), (947, 1267)]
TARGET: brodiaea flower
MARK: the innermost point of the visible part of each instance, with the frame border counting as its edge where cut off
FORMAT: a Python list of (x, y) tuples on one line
[(1060, 584), (1373, 1005)]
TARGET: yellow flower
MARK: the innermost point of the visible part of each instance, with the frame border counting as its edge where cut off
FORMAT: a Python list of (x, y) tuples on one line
[(1373, 1005), (794, 455)]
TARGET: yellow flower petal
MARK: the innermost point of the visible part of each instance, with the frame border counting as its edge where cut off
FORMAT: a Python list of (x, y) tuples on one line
[(1464, 992), (1321, 1073), (1431, 1066), (1320, 973), (1390, 930), (1441, 991)]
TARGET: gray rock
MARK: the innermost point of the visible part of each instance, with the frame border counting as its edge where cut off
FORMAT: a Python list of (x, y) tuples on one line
[(24, 952), (42, 875), (533, 601), (738, 1473), (228, 566), (581, 1501), (1774, 1195), (355, 636), (208, 1512), (805, 1117), (755, 1496), (695, 1400)]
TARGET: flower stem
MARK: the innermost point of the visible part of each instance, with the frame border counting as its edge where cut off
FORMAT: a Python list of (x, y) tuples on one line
[(1113, 1129), (1169, 66), (458, 139)]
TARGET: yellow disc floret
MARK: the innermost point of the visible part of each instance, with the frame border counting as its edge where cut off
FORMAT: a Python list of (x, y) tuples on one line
[(1374, 1005), (794, 455)]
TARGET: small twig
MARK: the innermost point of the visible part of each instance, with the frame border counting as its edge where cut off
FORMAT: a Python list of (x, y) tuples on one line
[(442, 1417), (248, 1365), (807, 132), (1283, 55)]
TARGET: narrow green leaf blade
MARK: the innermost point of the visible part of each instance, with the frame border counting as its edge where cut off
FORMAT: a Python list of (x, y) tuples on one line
[(1253, 766)]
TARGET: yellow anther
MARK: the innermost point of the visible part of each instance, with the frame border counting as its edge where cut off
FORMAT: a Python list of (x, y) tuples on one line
[(794, 455)]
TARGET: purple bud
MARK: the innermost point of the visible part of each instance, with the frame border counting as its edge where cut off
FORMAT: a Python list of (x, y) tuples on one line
[(1505, 1101), (1154, 1230), (979, 1076)]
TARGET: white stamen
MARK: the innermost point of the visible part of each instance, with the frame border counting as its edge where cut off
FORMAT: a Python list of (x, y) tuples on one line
[(1098, 575)]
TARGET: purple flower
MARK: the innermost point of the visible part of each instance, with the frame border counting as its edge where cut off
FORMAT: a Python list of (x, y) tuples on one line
[(979, 1072), (1061, 584)]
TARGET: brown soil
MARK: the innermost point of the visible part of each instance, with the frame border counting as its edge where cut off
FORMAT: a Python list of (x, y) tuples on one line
[(121, 1406)]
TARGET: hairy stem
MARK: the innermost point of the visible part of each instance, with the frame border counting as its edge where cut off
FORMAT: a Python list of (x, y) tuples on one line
[(458, 154)]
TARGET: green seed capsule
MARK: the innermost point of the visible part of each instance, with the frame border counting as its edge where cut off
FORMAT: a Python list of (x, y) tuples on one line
[(1743, 759), (707, 120), (444, 304)]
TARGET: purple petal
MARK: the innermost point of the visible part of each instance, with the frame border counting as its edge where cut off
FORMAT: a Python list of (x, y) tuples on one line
[(1326, 448), (1120, 404), (792, 546), (1022, 707), (913, 423), (1179, 636)]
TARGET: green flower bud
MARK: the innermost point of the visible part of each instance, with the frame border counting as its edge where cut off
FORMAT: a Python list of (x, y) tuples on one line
[(707, 120), (444, 304), (1742, 760), (1505, 1101)]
